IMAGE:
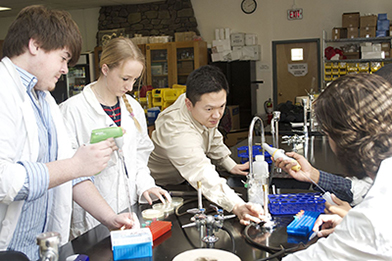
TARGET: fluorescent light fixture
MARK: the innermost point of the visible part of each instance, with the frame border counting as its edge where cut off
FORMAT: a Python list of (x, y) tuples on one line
[(297, 54), (3, 8)]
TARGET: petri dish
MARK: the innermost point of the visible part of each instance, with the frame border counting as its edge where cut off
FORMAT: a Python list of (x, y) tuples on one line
[(166, 208), (176, 201), (151, 214)]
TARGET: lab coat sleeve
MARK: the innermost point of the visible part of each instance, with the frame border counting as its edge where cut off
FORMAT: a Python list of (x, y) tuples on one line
[(144, 181), (219, 152), (15, 142), (68, 113), (359, 189)]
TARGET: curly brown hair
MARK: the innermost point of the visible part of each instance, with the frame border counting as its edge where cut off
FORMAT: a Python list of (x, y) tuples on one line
[(356, 113), (52, 29)]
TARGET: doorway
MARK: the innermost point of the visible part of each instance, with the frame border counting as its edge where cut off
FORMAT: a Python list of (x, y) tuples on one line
[(296, 69)]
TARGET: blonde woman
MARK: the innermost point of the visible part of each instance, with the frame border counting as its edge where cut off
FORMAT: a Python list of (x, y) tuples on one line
[(104, 103)]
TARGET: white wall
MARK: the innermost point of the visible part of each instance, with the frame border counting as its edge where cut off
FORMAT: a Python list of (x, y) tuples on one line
[(87, 20), (269, 22)]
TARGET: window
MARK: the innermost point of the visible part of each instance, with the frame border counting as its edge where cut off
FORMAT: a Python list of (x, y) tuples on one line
[(297, 54)]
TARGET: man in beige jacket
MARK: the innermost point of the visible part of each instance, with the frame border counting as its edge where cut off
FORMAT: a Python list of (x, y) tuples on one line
[(188, 143)]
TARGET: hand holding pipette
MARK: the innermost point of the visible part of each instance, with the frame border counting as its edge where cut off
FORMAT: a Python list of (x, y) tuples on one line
[(280, 154)]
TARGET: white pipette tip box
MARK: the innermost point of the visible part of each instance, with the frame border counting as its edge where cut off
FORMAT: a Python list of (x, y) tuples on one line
[(131, 244)]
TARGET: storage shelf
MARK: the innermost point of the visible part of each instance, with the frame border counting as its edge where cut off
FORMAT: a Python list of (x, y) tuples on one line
[(356, 40), (359, 60)]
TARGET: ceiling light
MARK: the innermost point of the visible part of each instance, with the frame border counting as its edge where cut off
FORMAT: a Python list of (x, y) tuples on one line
[(3, 8)]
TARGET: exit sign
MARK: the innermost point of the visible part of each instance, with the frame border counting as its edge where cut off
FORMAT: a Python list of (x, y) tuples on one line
[(294, 14)]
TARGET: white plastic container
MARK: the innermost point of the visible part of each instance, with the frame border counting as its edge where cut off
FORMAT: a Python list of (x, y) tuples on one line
[(260, 177)]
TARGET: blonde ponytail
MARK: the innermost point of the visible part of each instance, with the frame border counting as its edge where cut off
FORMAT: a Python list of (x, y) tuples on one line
[(130, 110)]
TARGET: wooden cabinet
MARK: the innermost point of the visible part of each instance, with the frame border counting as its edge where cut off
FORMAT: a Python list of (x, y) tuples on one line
[(189, 56), (171, 63), (159, 58)]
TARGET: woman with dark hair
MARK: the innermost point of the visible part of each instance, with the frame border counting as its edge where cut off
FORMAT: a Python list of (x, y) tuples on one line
[(355, 112)]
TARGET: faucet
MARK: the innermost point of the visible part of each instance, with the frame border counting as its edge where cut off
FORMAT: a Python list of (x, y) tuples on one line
[(250, 143), (275, 129), (49, 246), (251, 178), (305, 129)]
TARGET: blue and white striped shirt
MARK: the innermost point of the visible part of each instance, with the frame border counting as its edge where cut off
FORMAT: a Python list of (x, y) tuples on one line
[(38, 199)]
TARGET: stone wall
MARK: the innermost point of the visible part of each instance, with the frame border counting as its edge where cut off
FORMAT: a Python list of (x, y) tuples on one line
[(153, 19)]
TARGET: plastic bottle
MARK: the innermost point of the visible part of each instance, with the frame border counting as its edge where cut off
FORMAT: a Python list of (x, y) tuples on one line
[(260, 177)]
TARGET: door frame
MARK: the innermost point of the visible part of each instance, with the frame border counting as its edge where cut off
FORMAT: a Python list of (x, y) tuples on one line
[(274, 65)]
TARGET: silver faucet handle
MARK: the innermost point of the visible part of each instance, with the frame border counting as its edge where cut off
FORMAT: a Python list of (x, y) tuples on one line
[(49, 245), (276, 115)]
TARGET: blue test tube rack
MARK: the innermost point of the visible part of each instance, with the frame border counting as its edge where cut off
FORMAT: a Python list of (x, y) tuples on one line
[(292, 203), (243, 153), (302, 224)]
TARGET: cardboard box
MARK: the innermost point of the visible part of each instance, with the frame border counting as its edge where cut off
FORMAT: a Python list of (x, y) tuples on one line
[(352, 55), (234, 111), (385, 46), (373, 55), (251, 53), (250, 39), (367, 21), (184, 36), (339, 33), (236, 136), (222, 45), (237, 39), (352, 32), (367, 32), (350, 19)]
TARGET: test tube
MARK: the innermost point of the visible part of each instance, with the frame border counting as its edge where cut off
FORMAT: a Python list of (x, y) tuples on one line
[(199, 196)]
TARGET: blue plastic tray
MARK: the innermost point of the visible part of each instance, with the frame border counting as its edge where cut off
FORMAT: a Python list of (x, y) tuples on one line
[(290, 204)]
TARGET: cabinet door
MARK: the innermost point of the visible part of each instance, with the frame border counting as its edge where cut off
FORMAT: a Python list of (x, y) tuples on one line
[(189, 56), (159, 63)]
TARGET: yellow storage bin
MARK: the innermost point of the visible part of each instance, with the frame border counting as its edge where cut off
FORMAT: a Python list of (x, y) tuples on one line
[(328, 77), (375, 66), (328, 65), (342, 65), (157, 97), (352, 67), (363, 67), (335, 65), (343, 71)]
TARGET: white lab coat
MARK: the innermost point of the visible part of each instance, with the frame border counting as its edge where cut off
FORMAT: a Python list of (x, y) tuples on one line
[(83, 113), (365, 232), (19, 141)]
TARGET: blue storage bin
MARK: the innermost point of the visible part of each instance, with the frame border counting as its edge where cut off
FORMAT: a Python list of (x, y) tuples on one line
[(382, 16), (290, 204), (383, 25)]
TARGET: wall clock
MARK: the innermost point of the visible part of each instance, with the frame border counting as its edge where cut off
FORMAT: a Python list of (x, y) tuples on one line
[(248, 6)]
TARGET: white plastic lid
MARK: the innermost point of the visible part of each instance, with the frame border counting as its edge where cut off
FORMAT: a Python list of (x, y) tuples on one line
[(259, 157)]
